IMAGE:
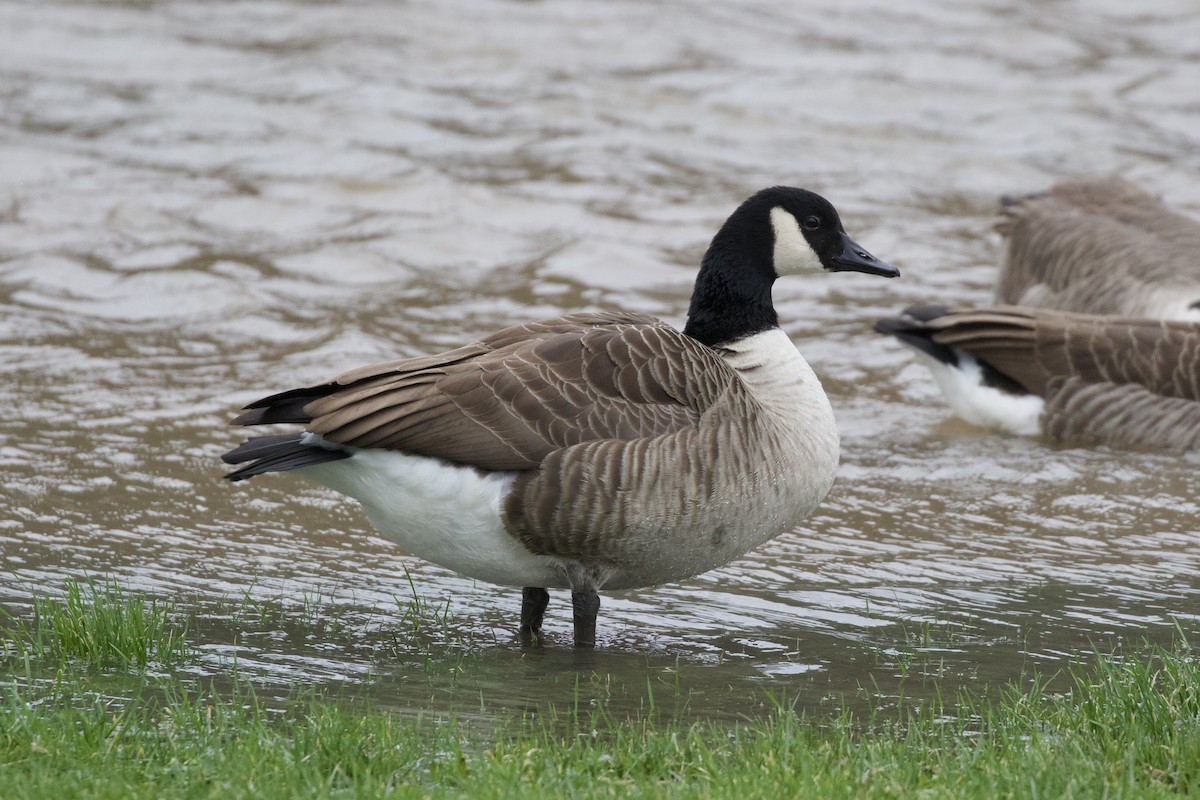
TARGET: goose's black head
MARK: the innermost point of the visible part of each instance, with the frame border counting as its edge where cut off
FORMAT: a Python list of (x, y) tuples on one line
[(778, 231)]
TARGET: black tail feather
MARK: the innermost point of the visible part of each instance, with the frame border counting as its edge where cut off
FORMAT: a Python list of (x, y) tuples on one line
[(912, 330), (284, 407), (278, 453), (259, 447), (291, 410)]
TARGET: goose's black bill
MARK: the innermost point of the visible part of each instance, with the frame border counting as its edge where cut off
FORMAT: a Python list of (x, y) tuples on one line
[(855, 258)]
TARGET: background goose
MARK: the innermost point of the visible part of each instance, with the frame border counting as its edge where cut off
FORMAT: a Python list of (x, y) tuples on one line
[(596, 450), (1100, 246), (1074, 377)]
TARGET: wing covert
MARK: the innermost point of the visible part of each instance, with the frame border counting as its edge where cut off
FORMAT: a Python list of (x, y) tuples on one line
[(509, 400)]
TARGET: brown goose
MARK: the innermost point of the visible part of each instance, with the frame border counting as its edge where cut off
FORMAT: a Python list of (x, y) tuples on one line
[(1120, 381), (1100, 246), (591, 451)]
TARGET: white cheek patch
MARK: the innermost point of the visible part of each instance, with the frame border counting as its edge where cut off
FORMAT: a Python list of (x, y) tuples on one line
[(793, 254)]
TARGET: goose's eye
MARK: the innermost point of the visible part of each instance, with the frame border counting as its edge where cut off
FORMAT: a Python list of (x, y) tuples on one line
[(811, 223)]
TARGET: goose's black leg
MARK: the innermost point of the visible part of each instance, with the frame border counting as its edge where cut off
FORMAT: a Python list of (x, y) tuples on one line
[(585, 606), (533, 610)]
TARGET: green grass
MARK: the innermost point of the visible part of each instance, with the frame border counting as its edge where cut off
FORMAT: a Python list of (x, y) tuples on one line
[(1121, 729), (1116, 727), (420, 615), (100, 625)]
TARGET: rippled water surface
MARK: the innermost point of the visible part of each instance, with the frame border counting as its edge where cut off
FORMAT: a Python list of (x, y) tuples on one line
[(202, 202)]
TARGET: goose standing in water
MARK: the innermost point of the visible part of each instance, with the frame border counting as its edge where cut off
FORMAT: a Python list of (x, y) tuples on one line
[(1099, 246), (594, 450)]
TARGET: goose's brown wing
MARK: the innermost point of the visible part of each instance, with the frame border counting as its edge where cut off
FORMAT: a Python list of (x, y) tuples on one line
[(1124, 203), (1100, 246), (507, 401), (1119, 415), (1033, 347)]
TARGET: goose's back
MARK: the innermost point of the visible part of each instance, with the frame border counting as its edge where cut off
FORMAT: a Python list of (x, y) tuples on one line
[(1102, 247), (510, 400)]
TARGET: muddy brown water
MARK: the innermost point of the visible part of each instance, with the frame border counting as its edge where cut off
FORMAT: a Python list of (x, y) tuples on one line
[(204, 202)]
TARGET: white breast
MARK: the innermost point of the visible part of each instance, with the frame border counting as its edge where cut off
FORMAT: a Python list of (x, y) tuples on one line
[(801, 419), (784, 383)]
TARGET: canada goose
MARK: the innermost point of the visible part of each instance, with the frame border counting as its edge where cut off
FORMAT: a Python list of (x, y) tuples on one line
[(1083, 378), (1099, 246), (593, 450)]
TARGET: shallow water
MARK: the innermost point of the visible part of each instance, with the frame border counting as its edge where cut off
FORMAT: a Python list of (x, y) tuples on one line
[(204, 202)]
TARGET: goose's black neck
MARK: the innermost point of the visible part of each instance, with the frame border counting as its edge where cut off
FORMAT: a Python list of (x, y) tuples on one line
[(732, 295)]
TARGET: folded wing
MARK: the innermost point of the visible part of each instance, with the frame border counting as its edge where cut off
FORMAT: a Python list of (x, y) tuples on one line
[(507, 401)]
